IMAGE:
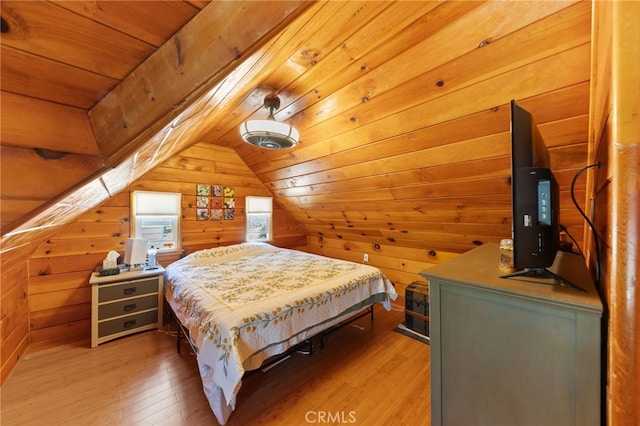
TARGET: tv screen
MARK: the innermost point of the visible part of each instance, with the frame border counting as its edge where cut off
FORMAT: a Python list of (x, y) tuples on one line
[(535, 201), (534, 195)]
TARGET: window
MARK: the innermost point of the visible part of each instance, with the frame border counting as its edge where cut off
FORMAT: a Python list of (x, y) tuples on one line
[(259, 212), (156, 218)]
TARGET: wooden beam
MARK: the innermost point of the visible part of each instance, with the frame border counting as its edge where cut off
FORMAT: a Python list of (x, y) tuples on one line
[(624, 266), (198, 57)]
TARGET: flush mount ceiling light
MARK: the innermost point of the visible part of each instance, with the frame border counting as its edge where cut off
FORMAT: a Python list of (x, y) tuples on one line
[(269, 133)]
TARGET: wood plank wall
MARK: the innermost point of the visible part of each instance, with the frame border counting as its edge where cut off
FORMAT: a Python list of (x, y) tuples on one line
[(14, 319), (400, 264), (59, 269)]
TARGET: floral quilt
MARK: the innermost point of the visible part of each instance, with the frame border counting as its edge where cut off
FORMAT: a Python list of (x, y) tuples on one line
[(247, 302)]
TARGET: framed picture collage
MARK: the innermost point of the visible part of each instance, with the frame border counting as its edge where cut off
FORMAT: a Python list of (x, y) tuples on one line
[(215, 202)]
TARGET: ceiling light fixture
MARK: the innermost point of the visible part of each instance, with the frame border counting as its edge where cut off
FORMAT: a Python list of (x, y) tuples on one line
[(269, 133)]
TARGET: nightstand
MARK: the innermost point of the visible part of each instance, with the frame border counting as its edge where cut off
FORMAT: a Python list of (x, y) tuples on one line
[(125, 303)]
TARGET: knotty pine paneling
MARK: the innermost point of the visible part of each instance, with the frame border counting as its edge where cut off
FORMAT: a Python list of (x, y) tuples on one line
[(59, 268), (115, 53), (153, 29), (380, 80), (14, 315), (65, 84), (33, 123), (442, 189), (417, 94), (401, 264), (416, 154)]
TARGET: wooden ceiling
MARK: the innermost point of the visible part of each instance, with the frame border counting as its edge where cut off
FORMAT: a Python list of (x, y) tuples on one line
[(402, 107)]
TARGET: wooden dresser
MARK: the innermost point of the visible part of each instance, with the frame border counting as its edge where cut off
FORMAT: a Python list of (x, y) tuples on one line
[(518, 351), (126, 303)]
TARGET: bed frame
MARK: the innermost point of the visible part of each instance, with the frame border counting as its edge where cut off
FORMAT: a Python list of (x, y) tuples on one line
[(183, 334)]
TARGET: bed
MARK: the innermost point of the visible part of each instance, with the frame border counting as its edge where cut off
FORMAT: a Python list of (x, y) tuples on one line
[(245, 303)]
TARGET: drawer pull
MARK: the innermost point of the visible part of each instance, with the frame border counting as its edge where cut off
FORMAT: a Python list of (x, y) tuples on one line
[(129, 290), (129, 308), (130, 323)]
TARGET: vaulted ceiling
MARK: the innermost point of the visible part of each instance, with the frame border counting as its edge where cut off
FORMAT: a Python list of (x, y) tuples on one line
[(402, 106)]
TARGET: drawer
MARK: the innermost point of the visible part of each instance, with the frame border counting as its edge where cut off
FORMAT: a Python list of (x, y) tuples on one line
[(131, 322), (128, 289), (129, 306)]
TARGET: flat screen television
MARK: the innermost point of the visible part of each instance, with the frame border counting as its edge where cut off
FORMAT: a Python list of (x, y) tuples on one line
[(535, 200)]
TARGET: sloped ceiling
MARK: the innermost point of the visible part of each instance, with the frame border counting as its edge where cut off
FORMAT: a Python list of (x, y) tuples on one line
[(402, 107)]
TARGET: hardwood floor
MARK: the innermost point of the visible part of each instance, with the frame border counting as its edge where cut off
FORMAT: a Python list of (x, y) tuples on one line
[(373, 376)]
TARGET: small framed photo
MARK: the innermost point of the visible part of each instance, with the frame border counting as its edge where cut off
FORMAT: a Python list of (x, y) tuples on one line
[(229, 192), (202, 202), (202, 190), (216, 214), (202, 214), (217, 203)]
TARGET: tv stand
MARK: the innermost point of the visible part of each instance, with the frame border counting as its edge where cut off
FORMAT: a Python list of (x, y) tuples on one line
[(544, 272), (513, 352)]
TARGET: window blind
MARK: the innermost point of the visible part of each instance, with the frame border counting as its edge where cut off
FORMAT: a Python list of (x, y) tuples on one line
[(156, 203), (259, 204)]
